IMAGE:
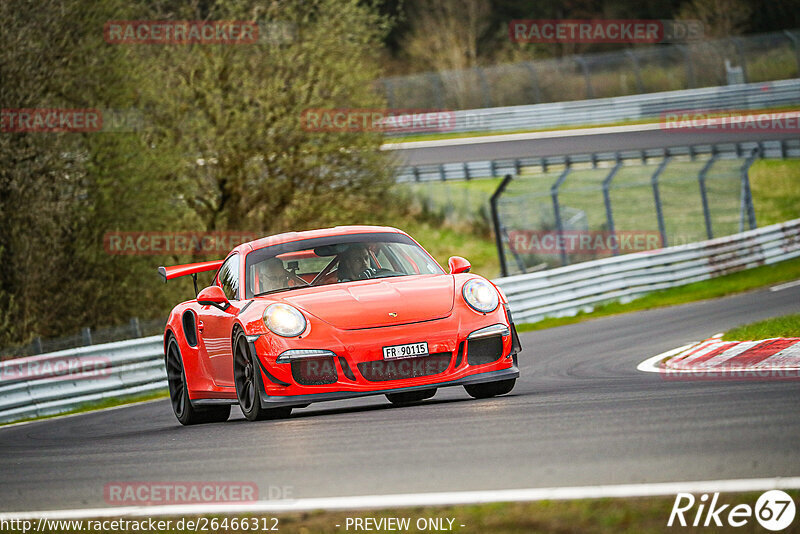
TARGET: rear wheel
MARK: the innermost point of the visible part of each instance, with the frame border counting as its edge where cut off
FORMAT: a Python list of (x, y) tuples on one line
[(408, 397), (179, 393), (490, 389), (244, 377)]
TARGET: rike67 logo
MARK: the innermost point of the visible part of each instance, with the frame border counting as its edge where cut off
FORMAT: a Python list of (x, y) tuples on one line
[(774, 510)]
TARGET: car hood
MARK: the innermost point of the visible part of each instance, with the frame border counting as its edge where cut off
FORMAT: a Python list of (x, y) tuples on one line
[(372, 303)]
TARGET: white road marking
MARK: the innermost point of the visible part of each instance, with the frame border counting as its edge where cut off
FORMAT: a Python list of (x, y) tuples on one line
[(422, 499), (787, 285), (502, 138), (651, 365)]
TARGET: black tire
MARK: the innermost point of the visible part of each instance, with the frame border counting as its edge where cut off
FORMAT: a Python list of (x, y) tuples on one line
[(182, 407), (490, 389), (409, 397), (244, 377)]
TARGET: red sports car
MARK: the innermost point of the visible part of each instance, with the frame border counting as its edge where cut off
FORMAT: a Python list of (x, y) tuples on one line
[(331, 314)]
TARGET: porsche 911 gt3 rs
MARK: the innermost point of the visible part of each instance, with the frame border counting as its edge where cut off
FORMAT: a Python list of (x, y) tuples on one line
[(330, 314)]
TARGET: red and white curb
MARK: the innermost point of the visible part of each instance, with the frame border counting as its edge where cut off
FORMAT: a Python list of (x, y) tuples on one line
[(714, 356)]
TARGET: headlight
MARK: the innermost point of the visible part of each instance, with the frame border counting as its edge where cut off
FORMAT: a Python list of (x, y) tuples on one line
[(480, 295), (284, 320)]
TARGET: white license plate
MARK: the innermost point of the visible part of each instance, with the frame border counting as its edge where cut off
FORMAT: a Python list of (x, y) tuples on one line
[(409, 350)]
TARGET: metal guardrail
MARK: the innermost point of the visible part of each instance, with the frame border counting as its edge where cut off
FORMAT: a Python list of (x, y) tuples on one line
[(64, 380), (42, 385), (567, 290), (741, 97), (467, 170)]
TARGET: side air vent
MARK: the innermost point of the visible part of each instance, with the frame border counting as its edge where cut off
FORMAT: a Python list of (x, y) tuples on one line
[(189, 328)]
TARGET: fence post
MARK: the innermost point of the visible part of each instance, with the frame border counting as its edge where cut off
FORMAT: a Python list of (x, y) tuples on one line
[(636, 70), (585, 68), (136, 329), (701, 178), (487, 95), (537, 92), (387, 83), (37, 345), (86, 334), (747, 209), (607, 199), (657, 197), (436, 80), (796, 44), (501, 253), (557, 213), (742, 62), (690, 82)]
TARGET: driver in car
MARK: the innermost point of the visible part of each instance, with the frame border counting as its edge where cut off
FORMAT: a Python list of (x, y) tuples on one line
[(271, 276), (354, 264)]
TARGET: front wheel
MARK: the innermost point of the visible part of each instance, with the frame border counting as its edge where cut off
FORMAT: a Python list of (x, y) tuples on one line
[(179, 393), (408, 397), (490, 389), (244, 377)]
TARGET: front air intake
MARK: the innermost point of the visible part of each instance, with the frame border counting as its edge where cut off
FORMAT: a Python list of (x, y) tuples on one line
[(484, 350), (383, 370), (314, 371)]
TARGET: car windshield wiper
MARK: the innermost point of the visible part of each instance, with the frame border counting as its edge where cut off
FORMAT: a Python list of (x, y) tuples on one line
[(279, 290)]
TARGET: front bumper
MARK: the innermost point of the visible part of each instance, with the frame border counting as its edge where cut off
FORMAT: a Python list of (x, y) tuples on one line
[(272, 401), (357, 351)]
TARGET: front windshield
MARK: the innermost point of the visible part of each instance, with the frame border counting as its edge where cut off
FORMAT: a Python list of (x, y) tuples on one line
[(334, 260)]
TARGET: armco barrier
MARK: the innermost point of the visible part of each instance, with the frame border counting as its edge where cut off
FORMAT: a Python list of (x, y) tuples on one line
[(51, 384), (740, 97), (137, 366), (567, 290)]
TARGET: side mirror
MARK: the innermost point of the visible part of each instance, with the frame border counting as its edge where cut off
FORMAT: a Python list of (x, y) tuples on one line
[(458, 264), (213, 296)]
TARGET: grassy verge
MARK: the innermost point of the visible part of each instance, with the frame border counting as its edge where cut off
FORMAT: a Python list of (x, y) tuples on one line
[(601, 516), (99, 405), (786, 326), (718, 287), (776, 194)]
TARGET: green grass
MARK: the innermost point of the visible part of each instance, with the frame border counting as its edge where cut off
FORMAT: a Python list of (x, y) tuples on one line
[(718, 287), (99, 405), (443, 242), (593, 516), (786, 326), (776, 190)]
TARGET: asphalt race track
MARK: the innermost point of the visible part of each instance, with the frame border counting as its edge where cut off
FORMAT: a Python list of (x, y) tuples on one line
[(580, 144), (581, 414)]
